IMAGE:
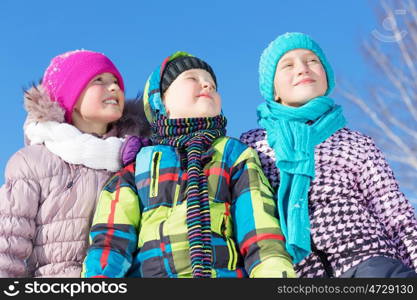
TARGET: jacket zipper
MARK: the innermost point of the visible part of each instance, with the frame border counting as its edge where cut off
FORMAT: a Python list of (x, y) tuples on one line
[(155, 174)]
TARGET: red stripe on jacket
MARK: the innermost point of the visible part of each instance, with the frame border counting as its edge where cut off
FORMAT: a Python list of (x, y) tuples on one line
[(110, 221), (218, 172), (260, 237)]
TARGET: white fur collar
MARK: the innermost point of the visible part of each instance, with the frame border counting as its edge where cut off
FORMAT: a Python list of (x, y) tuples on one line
[(76, 147)]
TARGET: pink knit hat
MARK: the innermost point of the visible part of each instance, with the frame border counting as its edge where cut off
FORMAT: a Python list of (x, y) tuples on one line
[(68, 74)]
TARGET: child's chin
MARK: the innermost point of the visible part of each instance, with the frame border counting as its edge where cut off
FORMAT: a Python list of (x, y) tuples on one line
[(203, 115), (112, 118), (207, 114)]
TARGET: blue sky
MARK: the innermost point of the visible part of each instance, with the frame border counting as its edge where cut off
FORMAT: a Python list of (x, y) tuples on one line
[(137, 35)]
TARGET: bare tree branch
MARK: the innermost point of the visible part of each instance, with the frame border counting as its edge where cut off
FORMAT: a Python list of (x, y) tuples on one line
[(411, 157), (392, 104), (393, 120)]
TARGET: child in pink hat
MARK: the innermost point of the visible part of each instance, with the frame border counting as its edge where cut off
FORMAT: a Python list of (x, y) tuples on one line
[(78, 125), (69, 73)]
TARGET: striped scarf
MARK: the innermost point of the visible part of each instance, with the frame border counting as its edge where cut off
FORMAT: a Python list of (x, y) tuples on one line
[(194, 136)]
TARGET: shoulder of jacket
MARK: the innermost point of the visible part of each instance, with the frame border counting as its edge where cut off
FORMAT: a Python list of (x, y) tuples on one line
[(253, 133), (232, 150), (33, 162), (353, 138)]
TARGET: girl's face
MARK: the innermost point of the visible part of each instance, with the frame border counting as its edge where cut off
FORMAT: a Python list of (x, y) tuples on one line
[(192, 94), (101, 102), (299, 77)]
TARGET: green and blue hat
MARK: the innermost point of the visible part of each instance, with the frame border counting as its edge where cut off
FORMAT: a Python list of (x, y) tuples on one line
[(162, 77)]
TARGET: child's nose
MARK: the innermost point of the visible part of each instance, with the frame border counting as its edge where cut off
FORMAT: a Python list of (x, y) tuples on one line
[(113, 87), (207, 85), (302, 68)]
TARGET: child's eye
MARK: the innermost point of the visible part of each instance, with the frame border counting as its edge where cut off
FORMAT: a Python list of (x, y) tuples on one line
[(116, 81), (312, 60), (287, 66), (98, 79)]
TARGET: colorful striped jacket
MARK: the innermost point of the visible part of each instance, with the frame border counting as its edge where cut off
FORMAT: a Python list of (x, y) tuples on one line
[(140, 229)]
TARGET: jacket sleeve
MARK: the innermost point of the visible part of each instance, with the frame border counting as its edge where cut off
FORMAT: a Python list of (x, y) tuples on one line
[(114, 232), (19, 201), (388, 204), (257, 229)]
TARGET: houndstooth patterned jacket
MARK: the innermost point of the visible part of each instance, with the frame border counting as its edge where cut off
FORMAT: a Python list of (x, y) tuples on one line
[(355, 206)]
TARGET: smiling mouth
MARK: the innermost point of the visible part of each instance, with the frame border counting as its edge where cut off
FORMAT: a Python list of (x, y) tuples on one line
[(205, 96), (305, 81), (111, 101)]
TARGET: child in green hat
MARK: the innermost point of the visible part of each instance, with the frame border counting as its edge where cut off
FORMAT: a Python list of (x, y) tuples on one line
[(196, 204)]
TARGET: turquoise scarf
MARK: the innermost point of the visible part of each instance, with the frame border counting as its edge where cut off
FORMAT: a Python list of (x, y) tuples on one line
[(293, 133)]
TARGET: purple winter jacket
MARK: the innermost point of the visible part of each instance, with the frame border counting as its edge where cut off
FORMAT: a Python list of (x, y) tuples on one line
[(355, 206), (47, 204)]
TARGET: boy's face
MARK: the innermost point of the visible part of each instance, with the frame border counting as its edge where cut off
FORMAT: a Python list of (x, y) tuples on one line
[(299, 77), (102, 100), (192, 94)]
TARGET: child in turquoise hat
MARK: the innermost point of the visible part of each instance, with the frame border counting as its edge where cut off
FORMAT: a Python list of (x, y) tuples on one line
[(340, 207)]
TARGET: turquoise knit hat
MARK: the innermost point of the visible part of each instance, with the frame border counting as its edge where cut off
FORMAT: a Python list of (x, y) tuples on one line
[(276, 49)]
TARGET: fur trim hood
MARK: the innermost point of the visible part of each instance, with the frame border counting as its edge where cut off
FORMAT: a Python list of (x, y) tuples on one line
[(41, 108)]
